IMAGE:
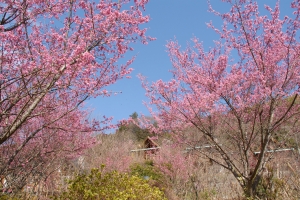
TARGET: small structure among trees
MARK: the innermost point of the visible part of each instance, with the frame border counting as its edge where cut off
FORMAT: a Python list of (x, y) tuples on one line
[(151, 148)]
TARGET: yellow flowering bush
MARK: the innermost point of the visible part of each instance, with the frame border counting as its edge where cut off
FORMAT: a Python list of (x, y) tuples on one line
[(112, 186)]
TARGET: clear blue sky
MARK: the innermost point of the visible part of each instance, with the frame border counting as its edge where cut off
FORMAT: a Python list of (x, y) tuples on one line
[(182, 19)]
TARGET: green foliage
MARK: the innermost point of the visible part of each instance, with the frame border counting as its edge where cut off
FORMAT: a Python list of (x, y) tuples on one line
[(134, 115), (4, 197), (146, 170), (139, 134), (111, 186), (149, 162), (8, 197)]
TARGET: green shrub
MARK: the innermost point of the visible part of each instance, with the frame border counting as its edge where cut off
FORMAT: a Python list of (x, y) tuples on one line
[(8, 197), (112, 186), (146, 170)]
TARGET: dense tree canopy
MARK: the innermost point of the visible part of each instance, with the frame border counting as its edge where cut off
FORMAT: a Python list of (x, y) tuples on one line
[(53, 56)]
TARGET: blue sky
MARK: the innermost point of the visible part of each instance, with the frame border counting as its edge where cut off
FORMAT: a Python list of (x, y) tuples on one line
[(183, 19)]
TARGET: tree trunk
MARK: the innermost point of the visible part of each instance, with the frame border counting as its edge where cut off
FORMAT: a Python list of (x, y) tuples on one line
[(249, 193), (250, 189)]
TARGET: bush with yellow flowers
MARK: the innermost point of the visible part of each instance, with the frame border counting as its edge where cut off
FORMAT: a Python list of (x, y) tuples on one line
[(112, 186)]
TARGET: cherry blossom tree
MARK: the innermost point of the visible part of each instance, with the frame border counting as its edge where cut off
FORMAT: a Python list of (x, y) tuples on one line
[(26, 160), (54, 55), (237, 95)]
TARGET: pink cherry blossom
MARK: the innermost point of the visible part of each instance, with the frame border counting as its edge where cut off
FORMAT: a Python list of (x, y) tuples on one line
[(237, 104)]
